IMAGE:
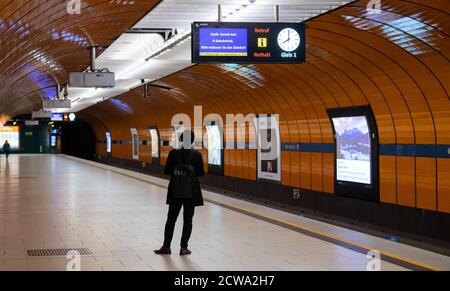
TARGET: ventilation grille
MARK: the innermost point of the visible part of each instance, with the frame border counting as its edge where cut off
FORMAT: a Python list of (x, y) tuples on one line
[(57, 252)]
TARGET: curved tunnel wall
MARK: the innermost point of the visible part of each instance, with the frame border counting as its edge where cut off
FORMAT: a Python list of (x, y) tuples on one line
[(40, 43), (396, 62)]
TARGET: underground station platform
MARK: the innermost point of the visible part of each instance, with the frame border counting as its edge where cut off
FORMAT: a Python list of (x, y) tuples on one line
[(227, 143)]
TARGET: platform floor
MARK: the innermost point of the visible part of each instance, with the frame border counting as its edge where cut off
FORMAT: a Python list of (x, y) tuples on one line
[(53, 202)]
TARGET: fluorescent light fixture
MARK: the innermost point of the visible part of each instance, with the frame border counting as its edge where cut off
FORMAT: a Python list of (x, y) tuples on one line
[(171, 43)]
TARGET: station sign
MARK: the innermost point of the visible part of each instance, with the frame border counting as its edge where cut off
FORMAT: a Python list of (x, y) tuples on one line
[(248, 43), (63, 117), (57, 117)]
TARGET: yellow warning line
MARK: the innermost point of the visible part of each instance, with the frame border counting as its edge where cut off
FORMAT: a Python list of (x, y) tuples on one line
[(327, 235)]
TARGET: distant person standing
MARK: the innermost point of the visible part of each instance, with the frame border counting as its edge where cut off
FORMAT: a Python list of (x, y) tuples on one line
[(6, 148), (184, 165)]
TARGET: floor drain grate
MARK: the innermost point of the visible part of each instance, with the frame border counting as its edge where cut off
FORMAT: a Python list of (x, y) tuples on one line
[(57, 252)]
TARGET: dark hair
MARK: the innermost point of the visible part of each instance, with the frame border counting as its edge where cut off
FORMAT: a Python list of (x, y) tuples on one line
[(187, 133)]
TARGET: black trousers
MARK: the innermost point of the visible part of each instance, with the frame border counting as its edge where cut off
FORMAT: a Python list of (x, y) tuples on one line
[(188, 214)]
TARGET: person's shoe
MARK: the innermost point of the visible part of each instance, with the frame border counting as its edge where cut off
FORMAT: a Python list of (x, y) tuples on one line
[(185, 252), (163, 251)]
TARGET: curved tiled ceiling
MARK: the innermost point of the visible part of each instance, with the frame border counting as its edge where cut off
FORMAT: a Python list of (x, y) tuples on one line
[(173, 18), (396, 61), (40, 42)]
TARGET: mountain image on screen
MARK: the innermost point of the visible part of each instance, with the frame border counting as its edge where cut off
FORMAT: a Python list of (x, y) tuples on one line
[(353, 138)]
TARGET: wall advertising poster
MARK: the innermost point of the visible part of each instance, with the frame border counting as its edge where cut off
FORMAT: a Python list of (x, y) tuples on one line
[(175, 138), (269, 147), (353, 149), (155, 143), (53, 141), (108, 143), (214, 145), (135, 143), (10, 134)]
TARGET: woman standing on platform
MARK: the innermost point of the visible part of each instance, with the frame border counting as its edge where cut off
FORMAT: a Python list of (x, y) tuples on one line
[(184, 165)]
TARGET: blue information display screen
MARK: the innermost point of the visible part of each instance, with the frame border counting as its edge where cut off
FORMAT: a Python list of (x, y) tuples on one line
[(220, 42), (57, 117), (10, 134), (250, 43)]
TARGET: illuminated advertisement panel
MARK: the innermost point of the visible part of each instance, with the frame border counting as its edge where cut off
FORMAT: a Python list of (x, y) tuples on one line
[(356, 153), (175, 137), (135, 143), (10, 134), (250, 43), (269, 147), (353, 149), (155, 143), (214, 145), (57, 117), (108, 142), (53, 141)]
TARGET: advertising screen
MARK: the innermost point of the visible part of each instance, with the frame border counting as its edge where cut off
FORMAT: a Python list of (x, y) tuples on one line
[(214, 145), (353, 149), (252, 43), (155, 143), (53, 141), (135, 143), (174, 139), (10, 134), (108, 142)]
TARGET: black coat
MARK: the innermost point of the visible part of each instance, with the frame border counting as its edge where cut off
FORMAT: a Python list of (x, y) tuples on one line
[(6, 147), (196, 162)]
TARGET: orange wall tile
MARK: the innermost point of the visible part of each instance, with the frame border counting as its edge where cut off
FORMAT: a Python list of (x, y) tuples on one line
[(443, 185), (426, 183), (406, 194), (388, 179)]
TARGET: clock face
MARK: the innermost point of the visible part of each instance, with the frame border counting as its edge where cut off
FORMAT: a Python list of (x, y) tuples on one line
[(289, 40)]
